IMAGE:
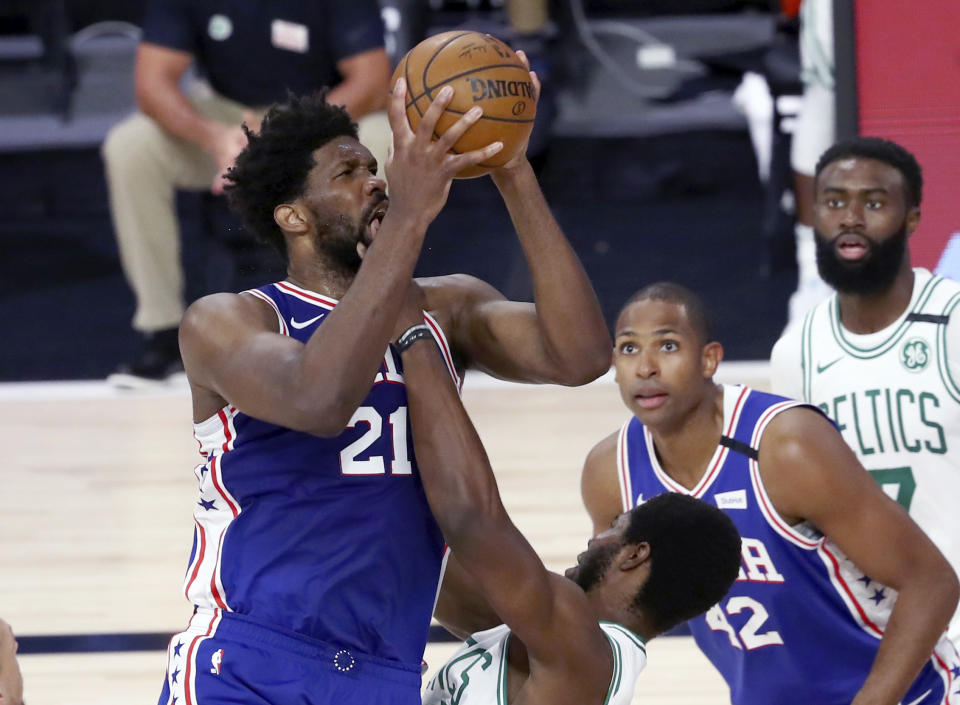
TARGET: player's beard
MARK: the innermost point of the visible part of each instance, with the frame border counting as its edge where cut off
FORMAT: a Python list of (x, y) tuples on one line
[(336, 238), (872, 274), (336, 242), (594, 565)]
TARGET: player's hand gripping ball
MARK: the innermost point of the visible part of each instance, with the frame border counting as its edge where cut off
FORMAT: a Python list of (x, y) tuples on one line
[(482, 71)]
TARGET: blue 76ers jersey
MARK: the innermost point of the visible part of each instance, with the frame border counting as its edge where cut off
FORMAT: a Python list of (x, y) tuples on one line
[(802, 624), (331, 538)]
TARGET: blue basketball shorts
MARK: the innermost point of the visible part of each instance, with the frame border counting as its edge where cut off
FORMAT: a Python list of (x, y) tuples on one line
[(223, 657)]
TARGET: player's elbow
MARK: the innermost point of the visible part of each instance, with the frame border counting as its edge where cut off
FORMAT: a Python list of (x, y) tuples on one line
[(949, 586), (936, 578), (597, 366), (324, 415), (588, 366)]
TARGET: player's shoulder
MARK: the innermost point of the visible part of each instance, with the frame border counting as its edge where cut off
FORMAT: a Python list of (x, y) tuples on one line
[(792, 431), (600, 483), (604, 451), (211, 313), (629, 648)]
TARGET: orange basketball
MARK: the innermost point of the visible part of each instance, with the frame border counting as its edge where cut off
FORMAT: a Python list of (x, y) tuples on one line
[(482, 71)]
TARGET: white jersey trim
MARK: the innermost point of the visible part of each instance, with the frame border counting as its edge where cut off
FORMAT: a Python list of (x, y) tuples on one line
[(203, 625), (733, 408), (283, 330), (843, 589), (623, 469), (769, 512), (311, 297), (203, 585), (444, 348)]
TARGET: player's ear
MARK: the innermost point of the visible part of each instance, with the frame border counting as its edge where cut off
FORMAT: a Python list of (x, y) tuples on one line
[(291, 218), (913, 220), (710, 358), (634, 555)]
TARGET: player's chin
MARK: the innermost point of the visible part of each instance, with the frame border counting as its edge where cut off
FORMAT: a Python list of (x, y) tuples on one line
[(571, 572)]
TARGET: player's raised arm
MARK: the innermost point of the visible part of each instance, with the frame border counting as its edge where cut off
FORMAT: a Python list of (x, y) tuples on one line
[(230, 344), (810, 473), (560, 338), (547, 613)]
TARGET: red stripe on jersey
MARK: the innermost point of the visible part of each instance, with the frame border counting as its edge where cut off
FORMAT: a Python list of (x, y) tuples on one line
[(771, 513), (214, 473), (949, 674), (714, 470), (626, 487), (735, 416), (191, 655), (203, 453), (263, 297), (846, 589), (226, 430), (444, 348), (199, 561), (764, 420), (290, 289), (213, 578)]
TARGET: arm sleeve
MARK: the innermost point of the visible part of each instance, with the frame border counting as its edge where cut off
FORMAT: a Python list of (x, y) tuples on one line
[(356, 26), (170, 23), (786, 375)]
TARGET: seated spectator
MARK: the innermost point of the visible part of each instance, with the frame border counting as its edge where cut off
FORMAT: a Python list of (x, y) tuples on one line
[(249, 56)]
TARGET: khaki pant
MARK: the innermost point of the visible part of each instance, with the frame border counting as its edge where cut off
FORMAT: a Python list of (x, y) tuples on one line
[(144, 167)]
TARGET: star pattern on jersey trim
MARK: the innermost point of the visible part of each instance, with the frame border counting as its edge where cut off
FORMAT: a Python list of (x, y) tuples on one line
[(207, 504), (879, 596), (176, 649)]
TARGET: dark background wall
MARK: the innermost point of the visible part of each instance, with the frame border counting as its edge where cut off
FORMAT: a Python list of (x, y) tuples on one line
[(645, 190)]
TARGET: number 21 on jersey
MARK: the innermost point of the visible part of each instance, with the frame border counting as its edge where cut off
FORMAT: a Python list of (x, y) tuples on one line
[(350, 462)]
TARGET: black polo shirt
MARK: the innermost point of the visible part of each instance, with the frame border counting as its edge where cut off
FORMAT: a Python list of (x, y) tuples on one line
[(254, 51)]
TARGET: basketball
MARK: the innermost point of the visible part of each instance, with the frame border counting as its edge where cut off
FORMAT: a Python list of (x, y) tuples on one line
[(482, 71)]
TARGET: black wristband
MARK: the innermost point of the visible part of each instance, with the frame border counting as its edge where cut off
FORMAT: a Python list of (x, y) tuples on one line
[(412, 335)]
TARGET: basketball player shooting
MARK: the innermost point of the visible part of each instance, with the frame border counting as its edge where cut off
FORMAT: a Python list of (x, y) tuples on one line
[(574, 640), (316, 559)]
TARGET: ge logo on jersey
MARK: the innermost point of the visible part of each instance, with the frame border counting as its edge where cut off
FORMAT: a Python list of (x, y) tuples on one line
[(915, 354)]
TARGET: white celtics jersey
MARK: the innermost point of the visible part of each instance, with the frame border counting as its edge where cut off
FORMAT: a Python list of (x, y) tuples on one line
[(477, 673), (895, 396)]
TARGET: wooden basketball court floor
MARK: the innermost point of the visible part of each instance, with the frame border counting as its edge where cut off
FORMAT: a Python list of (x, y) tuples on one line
[(96, 497)]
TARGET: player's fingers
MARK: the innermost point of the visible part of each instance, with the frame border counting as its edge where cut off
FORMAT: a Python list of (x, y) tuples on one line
[(455, 131), (397, 109), (462, 161), (536, 85), (522, 55), (429, 121)]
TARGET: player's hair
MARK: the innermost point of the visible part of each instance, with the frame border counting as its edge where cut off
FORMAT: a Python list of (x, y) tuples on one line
[(273, 167), (694, 557), (882, 151), (674, 293)]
